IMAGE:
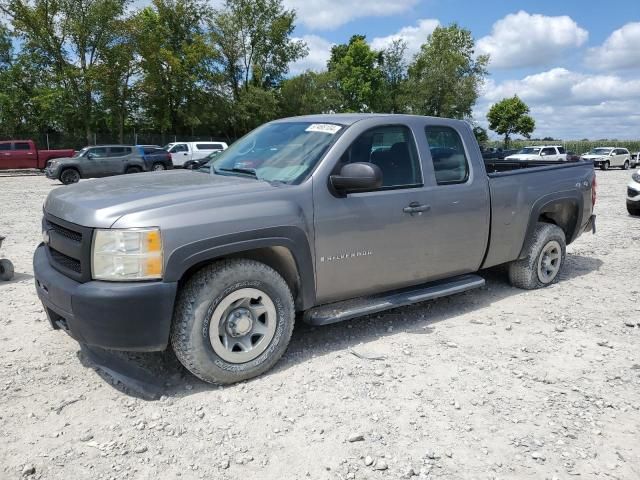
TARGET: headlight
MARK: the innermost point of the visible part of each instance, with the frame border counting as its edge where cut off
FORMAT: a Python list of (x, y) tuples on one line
[(128, 254), (636, 177)]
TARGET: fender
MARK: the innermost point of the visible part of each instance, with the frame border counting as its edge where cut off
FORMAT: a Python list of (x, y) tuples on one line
[(292, 238), (545, 204)]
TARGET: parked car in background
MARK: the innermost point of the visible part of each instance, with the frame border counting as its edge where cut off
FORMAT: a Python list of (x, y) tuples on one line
[(572, 156), (633, 194), (155, 158), (496, 153), (95, 162), (635, 159), (543, 152), (182, 152), (323, 218), (197, 164), (606, 157), (25, 154)]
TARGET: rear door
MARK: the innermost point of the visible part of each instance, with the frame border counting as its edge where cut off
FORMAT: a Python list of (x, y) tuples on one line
[(115, 161), (6, 161), (24, 155), (457, 189)]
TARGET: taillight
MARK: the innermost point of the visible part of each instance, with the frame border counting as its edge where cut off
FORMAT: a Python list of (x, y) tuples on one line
[(594, 186)]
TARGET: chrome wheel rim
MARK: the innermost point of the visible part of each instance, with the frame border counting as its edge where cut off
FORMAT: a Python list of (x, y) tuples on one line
[(157, 167), (242, 325), (549, 261), (70, 176)]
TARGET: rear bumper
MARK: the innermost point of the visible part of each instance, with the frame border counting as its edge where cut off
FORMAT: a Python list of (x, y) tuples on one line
[(134, 316)]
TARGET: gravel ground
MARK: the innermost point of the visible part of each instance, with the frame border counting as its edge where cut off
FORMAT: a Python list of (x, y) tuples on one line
[(493, 383)]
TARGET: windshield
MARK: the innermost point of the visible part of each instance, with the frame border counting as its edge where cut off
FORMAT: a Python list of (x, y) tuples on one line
[(600, 151), (278, 152), (81, 152), (530, 151)]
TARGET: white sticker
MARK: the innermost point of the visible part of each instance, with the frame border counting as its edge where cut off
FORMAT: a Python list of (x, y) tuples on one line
[(324, 128)]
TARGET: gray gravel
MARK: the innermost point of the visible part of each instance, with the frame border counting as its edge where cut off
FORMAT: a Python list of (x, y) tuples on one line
[(495, 383)]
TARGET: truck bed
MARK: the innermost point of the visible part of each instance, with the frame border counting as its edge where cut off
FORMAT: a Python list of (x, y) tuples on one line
[(495, 165), (519, 190)]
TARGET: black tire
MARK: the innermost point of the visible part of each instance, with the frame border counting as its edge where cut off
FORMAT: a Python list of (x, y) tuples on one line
[(133, 170), (189, 165), (197, 303), (626, 165), (604, 165), (525, 273), (635, 211), (6, 270), (69, 176), (157, 167)]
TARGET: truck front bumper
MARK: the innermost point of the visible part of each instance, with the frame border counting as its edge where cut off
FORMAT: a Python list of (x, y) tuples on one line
[(134, 316)]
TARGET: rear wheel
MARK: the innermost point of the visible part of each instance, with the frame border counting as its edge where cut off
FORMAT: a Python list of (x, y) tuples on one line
[(158, 167), (545, 255), (233, 321), (133, 170), (635, 211), (6, 270), (69, 176), (626, 165)]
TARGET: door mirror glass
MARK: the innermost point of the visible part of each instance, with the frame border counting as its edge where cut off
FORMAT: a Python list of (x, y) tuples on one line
[(357, 176), (90, 156)]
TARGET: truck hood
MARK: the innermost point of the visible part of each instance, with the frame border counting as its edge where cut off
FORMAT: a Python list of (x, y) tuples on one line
[(593, 157), (100, 203)]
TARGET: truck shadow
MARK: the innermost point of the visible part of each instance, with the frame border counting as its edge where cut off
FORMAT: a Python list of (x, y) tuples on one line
[(150, 376)]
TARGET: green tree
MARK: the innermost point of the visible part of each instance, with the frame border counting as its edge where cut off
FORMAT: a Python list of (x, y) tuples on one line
[(445, 76), (481, 135), (308, 93), (68, 37), (253, 40), (358, 77), (510, 116), (394, 69)]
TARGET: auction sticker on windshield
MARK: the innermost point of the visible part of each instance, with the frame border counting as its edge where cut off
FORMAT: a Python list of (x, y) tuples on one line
[(324, 128)]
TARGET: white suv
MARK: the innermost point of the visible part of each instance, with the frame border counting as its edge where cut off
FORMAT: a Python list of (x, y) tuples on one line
[(543, 152), (182, 152), (633, 194), (605, 157)]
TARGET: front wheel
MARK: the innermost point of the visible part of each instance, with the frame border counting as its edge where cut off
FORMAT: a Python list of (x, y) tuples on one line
[(605, 165), (69, 176), (133, 170), (6, 270), (635, 211), (545, 255), (233, 321)]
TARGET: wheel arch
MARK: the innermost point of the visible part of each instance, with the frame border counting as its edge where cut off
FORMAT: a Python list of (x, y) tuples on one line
[(563, 210), (288, 254)]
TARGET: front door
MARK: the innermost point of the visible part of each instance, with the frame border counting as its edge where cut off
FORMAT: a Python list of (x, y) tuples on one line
[(369, 242), (23, 156), (90, 164)]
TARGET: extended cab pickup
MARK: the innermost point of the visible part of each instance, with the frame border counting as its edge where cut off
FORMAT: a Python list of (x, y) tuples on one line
[(20, 154), (329, 216)]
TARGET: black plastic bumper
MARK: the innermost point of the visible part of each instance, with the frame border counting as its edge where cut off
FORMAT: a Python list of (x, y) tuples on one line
[(133, 316)]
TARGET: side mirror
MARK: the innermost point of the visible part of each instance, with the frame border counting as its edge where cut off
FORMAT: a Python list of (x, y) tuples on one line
[(90, 156), (357, 176)]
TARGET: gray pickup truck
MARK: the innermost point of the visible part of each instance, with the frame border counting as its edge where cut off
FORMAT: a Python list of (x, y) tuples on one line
[(323, 218)]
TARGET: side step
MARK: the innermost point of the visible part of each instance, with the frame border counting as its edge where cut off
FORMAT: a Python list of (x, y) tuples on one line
[(345, 310)]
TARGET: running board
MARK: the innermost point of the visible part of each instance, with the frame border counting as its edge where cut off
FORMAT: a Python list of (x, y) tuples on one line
[(345, 310)]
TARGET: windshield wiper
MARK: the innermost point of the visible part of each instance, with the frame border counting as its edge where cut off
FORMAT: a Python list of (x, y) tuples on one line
[(246, 171)]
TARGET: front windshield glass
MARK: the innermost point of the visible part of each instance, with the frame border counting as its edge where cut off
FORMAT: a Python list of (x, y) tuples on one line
[(278, 152), (530, 151), (600, 151), (81, 152)]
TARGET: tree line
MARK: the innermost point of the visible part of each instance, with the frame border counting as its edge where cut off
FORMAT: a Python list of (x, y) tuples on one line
[(183, 67)]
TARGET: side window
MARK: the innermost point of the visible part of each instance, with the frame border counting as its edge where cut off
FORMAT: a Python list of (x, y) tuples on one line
[(548, 151), (99, 152), (22, 146), (449, 158), (5, 146), (180, 147), (561, 150), (393, 150), (117, 151), (208, 146)]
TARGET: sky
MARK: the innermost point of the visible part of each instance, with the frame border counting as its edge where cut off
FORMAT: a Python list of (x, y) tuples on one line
[(575, 63)]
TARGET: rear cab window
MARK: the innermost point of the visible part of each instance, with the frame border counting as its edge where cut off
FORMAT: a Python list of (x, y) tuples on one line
[(22, 146), (5, 146), (450, 163)]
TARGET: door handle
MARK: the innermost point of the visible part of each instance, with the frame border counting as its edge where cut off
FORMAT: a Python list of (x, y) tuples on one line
[(415, 207)]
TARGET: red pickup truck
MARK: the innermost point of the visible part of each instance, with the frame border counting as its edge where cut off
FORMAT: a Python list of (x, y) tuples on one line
[(24, 154)]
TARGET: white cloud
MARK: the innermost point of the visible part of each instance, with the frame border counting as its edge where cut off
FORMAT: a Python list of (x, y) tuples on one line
[(415, 36), (329, 14), (525, 40), (620, 50), (572, 105), (319, 52)]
